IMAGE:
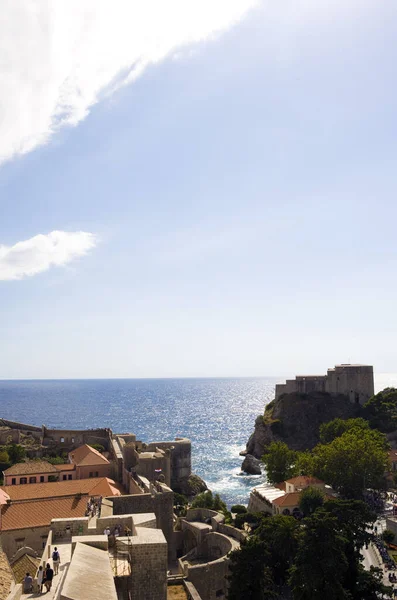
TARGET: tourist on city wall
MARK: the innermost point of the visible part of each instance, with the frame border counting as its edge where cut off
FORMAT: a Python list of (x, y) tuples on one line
[(40, 577), (56, 559), (49, 575), (27, 583)]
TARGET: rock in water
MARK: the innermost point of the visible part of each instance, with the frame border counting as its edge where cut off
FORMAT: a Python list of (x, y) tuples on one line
[(251, 465)]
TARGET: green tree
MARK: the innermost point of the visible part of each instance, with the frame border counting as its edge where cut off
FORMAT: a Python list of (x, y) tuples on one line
[(260, 567), (370, 585), (310, 499), (381, 410), (333, 429), (98, 447), (353, 520), (250, 578), (238, 508), (4, 457), (353, 462), (280, 462), (16, 452), (320, 562), (304, 463)]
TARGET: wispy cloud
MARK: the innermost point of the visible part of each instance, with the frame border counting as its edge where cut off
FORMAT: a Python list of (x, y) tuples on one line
[(41, 252), (59, 56)]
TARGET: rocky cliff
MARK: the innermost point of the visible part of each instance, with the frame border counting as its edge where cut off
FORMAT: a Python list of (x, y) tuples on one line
[(295, 419)]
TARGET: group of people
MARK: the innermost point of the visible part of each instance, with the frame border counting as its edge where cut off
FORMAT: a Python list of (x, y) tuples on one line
[(93, 507), (44, 576), (392, 578)]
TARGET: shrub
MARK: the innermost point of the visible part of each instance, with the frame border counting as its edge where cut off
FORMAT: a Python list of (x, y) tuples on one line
[(239, 509), (98, 447)]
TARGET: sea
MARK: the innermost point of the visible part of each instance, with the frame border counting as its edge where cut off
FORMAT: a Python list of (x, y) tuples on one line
[(217, 415)]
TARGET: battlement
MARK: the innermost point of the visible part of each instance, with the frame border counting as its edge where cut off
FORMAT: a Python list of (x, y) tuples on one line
[(356, 382)]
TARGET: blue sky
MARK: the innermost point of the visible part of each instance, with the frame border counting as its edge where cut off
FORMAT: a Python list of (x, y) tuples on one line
[(240, 196)]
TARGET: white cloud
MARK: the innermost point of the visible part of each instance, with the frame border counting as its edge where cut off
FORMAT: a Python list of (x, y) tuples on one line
[(59, 57), (41, 252)]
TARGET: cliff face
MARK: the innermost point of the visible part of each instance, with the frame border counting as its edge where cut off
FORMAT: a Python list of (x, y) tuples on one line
[(296, 418)]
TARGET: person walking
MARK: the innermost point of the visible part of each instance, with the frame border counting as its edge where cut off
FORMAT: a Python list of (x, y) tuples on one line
[(56, 559), (40, 577), (49, 576)]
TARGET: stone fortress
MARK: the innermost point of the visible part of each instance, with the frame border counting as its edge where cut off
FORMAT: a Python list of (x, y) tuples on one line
[(150, 548), (356, 382)]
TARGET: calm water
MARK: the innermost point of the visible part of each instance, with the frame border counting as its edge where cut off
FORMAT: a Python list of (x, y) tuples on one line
[(216, 414)]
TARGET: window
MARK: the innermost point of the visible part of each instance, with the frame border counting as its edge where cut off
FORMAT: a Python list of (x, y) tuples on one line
[(23, 480), (72, 440), (96, 474), (20, 542), (13, 481), (91, 474), (41, 478), (69, 477), (62, 440), (64, 477), (32, 479)]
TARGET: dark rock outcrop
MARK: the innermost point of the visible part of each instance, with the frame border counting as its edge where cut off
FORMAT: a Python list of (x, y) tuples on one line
[(251, 465), (191, 486), (296, 418)]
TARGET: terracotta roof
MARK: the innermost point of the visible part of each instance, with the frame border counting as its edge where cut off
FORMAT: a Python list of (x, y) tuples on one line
[(32, 491), (6, 576), (291, 499), (65, 467), (281, 486), (24, 564), (31, 467), (303, 480), (107, 487), (86, 455), (38, 513)]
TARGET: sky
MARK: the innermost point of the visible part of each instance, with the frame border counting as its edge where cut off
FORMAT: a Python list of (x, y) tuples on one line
[(197, 189)]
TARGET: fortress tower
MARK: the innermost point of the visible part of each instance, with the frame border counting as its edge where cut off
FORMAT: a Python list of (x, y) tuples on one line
[(356, 382)]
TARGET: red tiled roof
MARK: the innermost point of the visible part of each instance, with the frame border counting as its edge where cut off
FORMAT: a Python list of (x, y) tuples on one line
[(303, 480), (65, 467), (32, 467), (88, 456), (58, 489), (38, 513), (291, 499)]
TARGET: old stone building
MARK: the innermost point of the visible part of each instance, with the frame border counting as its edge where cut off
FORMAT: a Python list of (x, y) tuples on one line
[(356, 382)]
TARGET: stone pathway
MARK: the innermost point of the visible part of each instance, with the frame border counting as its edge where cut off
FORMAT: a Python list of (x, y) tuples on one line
[(65, 552)]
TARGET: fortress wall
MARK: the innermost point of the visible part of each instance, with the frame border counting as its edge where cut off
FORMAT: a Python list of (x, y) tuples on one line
[(159, 502), (21, 426), (356, 382), (68, 439), (181, 458)]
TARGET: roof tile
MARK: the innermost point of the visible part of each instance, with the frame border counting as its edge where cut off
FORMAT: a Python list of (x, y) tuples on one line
[(39, 513)]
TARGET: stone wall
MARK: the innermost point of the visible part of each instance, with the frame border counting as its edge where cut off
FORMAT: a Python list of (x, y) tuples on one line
[(181, 458), (160, 501), (356, 382), (149, 563), (209, 576), (35, 538)]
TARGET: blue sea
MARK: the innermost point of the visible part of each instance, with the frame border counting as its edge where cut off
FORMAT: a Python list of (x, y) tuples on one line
[(218, 416)]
